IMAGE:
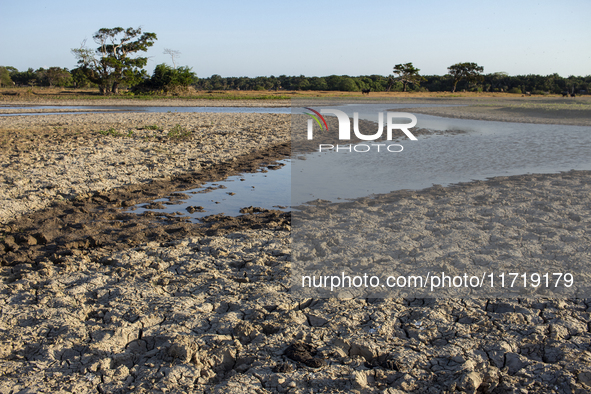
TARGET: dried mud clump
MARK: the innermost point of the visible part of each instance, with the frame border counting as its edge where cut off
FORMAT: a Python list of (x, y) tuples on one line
[(304, 353)]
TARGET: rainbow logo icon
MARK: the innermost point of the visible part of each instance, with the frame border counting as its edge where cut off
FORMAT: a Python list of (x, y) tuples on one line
[(316, 118)]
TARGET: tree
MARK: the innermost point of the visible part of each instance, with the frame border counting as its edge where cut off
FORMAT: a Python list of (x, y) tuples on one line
[(407, 73), (172, 53), (470, 71), (79, 78), (111, 63), (5, 77), (167, 78), (217, 82), (54, 76), (22, 78), (348, 84), (497, 80), (319, 84)]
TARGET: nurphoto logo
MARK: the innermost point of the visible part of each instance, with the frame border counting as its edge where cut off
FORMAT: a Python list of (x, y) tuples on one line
[(344, 123)]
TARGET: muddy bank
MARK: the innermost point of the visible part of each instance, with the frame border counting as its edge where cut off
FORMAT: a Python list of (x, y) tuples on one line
[(72, 226), (533, 225), (57, 157), (540, 115), (214, 314)]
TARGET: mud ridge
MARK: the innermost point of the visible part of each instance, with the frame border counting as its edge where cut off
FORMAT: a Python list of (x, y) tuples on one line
[(71, 227)]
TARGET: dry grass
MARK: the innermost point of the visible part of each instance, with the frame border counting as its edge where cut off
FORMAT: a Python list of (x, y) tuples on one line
[(40, 93)]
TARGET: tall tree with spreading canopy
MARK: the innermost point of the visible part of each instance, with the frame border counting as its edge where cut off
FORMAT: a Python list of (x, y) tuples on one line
[(112, 63), (407, 73), (470, 71)]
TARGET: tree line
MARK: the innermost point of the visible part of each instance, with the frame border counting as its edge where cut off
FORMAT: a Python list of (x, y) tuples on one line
[(53, 76), (115, 63), (164, 77), (494, 82), (405, 77)]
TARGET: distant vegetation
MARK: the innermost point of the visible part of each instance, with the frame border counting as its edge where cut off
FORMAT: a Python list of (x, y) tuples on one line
[(53, 76), (495, 82), (111, 66), (167, 80)]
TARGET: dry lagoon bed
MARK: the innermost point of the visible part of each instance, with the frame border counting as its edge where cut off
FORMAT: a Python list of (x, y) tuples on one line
[(207, 308)]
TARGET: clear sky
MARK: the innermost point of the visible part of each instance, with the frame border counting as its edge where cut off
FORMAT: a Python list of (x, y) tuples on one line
[(313, 38)]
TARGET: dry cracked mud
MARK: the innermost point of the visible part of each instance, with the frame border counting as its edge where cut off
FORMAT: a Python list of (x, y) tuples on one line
[(199, 308)]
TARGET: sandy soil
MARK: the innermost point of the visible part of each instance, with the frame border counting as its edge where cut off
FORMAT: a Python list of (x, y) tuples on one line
[(207, 308)]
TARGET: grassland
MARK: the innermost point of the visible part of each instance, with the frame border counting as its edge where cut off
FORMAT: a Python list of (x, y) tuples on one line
[(44, 93)]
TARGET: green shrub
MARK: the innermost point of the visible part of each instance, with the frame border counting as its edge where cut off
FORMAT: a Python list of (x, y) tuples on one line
[(111, 131), (114, 133), (515, 90), (166, 77), (178, 132)]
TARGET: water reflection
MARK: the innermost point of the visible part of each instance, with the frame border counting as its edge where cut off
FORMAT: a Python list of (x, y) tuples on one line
[(268, 188), (488, 149)]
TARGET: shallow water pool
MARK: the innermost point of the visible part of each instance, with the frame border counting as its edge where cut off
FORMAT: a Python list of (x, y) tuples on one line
[(268, 188), (482, 150)]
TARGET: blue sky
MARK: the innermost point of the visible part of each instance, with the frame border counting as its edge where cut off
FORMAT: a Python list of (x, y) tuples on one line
[(313, 38)]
